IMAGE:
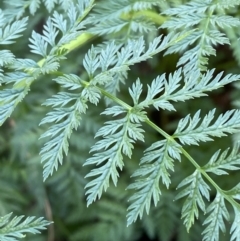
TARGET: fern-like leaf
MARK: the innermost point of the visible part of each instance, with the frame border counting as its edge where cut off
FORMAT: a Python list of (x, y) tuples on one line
[(235, 229), (190, 132), (155, 165), (111, 17), (9, 98), (219, 165), (15, 229), (174, 91), (39, 45), (70, 29), (115, 61), (6, 57), (64, 119), (50, 4), (215, 221), (195, 190), (34, 5), (200, 15), (11, 32), (234, 192), (118, 139)]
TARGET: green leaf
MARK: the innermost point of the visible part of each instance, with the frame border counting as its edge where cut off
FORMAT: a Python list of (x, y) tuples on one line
[(11, 32), (50, 32), (9, 98), (215, 221), (201, 16), (64, 120), (195, 190), (234, 192), (69, 81), (107, 17), (15, 229), (235, 229), (118, 138), (6, 57), (155, 165), (173, 91), (219, 165), (136, 91), (38, 45), (190, 131), (50, 4)]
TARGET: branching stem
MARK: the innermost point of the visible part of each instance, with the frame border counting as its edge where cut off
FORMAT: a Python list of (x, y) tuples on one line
[(168, 137)]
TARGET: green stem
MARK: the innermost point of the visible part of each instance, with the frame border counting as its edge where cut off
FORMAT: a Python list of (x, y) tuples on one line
[(81, 40), (186, 154), (110, 96), (148, 14)]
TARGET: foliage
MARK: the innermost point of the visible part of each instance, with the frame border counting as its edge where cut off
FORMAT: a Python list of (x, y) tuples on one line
[(142, 100), (10, 230)]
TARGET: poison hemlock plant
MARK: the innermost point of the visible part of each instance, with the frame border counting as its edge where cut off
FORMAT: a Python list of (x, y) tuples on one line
[(98, 91)]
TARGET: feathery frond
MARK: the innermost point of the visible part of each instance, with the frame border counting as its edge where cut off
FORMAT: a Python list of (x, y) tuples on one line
[(113, 17), (14, 229), (66, 116), (201, 16), (215, 221), (155, 165), (219, 165), (196, 189), (118, 139), (190, 131)]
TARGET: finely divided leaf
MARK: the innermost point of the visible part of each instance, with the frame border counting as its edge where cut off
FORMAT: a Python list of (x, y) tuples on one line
[(195, 85), (38, 45), (200, 15), (136, 91), (215, 221), (190, 131), (15, 229), (11, 32), (52, 152), (155, 165), (235, 229), (195, 189), (112, 16), (91, 62), (50, 32), (234, 192), (115, 61), (66, 116), (6, 57), (70, 29), (118, 138), (69, 81), (220, 165), (34, 5), (50, 4), (65, 120), (9, 98)]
